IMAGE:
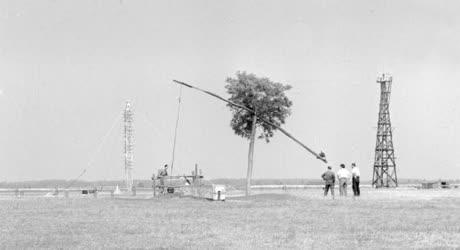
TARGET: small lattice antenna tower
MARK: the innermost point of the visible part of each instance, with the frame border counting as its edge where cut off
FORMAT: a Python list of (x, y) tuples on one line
[(384, 164), (128, 145)]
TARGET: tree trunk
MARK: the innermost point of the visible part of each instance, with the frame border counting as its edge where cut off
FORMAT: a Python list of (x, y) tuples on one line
[(250, 155)]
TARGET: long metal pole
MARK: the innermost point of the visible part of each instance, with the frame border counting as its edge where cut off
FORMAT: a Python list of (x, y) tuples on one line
[(318, 156), (175, 130)]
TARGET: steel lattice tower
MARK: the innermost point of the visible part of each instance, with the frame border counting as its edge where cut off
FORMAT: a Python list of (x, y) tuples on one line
[(128, 145), (384, 165)]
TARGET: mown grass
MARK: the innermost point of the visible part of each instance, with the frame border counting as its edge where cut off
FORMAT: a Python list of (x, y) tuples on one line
[(301, 219)]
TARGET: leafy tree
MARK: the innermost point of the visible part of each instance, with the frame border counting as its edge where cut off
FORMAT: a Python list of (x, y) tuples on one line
[(266, 100)]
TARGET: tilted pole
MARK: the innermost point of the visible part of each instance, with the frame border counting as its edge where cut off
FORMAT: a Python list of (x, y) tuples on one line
[(319, 156), (175, 131)]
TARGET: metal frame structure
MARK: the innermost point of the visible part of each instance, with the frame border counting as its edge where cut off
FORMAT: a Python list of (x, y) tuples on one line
[(171, 184), (384, 164), (128, 118)]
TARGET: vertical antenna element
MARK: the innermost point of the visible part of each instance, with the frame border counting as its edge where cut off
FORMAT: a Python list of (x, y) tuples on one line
[(175, 130), (384, 164), (128, 145)]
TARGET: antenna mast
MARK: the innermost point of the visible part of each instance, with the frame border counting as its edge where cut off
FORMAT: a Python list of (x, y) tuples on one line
[(175, 130), (384, 165), (128, 145)]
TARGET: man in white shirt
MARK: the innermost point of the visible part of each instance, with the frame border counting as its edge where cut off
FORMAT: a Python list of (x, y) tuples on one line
[(355, 179), (343, 175)]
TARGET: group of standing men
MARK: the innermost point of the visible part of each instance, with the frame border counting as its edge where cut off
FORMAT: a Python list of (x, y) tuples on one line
[(343, 175)]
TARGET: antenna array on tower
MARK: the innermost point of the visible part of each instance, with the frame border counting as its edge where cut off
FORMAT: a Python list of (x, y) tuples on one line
[(128, 145)]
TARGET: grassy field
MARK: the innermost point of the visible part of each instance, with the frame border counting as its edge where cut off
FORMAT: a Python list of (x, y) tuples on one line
[(296, 219)]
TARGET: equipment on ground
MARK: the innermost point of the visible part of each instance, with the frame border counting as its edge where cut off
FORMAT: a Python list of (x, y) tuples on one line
[(192, 185)]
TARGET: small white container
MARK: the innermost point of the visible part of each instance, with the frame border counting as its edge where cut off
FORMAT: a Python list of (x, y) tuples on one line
[(218, 192)]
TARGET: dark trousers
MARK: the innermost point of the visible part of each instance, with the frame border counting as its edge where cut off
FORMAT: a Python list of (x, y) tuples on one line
[(327, 187), (356, 190), (343, 186)]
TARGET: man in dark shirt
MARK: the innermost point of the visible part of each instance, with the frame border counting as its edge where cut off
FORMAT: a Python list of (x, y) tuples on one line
[(355, 179), (329, 179)]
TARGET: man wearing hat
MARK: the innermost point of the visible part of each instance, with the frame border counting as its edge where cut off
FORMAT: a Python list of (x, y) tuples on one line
[(355, 179), (329, 179), (343, 175)]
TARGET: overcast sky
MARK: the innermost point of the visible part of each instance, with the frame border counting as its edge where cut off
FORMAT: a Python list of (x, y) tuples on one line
[(67, 67)]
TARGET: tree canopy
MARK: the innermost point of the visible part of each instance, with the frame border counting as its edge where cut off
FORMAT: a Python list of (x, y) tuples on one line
[(265, 97)]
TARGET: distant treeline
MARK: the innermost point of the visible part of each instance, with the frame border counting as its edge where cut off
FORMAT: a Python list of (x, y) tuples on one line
[(58, 183), (241, 183), (236, 183)]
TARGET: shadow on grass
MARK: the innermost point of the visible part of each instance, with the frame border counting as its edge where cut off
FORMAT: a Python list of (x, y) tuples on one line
[(265, 197)]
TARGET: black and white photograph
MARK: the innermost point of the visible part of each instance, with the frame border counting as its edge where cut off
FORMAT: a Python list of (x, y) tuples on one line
[(235, 124)]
